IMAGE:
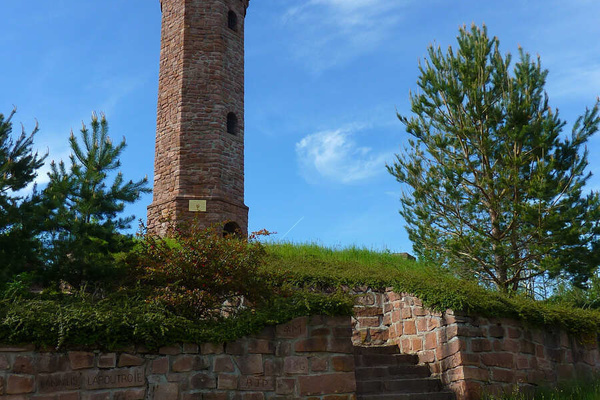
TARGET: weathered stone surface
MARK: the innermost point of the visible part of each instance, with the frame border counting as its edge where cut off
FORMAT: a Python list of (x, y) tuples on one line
[(130, 360), (81, 360), (170, 350), (295, 365), (19, 384), (343, 382), (183, 363), (59, 382), (116, 378), (23, 365), (250, 364), (203, 381), (107, 360), (256, 383), (296, 328), (166, 391), (227, 382), (223, 364), (160, 365)]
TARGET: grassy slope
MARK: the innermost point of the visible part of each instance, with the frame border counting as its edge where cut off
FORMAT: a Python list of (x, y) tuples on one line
[(312, 264)]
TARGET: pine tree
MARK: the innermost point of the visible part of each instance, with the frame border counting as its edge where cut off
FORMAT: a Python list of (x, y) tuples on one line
[(84, 219), (496, 191), (19, 247)]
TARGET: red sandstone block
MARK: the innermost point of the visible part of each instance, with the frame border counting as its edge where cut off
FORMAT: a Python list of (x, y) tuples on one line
[(387, 319), (344, 345), (2, 385), (480, 345), (18, 384), (273, 366), (285, 385), (405, 345), (296, 328), (295, 365), (342, 332), (23, 365), (255, 383), (170, 350), (406, 313), (421, 325), (160, 365), (40, 397), (419, 311), (211, 348), (565, 372), (250, 364), (409, 327), (81, 360), (393, 296), (378, 336), (504, 360), (97, 396), (311, 345), (203, 381), (340, 397), (70, 396), (192, 396), (262, 346), (343, 363), (416, 344), (283, 348), (430, 340), (503, 375), (130, 360), (166, 391), (496, 331), (365, 299), (427, 356), (223, 364), (227, 382), (514, 333), (522, 362), (527, 347), (319, 364), (4, 364), (368, 311), (184, 363), (107, 360), (343, 382)]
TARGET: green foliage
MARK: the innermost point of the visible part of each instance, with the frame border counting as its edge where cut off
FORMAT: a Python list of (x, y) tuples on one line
[(194, 271), (438, 288), (18, 214), (83, 209), (577, 390), (125, 318), (495, 189)]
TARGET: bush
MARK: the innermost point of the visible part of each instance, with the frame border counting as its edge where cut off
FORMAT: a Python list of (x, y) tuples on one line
[(195, 271)]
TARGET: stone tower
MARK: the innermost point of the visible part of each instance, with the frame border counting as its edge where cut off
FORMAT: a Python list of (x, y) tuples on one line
[(199, 160)]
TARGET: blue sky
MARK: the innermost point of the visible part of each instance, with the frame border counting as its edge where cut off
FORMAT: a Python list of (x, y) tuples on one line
[(324, 79)]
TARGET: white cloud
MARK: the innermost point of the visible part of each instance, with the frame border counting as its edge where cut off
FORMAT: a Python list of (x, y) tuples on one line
[(331, 32), (335, 156)]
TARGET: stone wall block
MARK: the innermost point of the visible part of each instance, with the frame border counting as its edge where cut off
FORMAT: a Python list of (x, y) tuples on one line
[(211, 348), (23, 365), (170, 350), (81, 360), (107, 360), (250, 364), (262, 346), (223, 364), (285, 386), (295, 365), (296, 328), (165, 391), (130, 360), (183, 363), (19, 384), (343, 382), (317, 344), (227, 382), (203, 381)]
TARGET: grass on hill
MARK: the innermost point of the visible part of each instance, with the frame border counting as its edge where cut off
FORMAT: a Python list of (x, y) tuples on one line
[(313, 265)]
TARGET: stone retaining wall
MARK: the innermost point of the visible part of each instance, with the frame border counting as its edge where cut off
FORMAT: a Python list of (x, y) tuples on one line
[(472, 354), (307, 357)]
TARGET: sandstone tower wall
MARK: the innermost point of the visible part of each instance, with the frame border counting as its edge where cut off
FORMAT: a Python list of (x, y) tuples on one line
[(199, 161)]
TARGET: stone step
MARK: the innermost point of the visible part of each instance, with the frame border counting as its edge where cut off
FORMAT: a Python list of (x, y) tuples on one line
[(367, 350), (444, 395), (377, 360), (407, 371), (399, 386)]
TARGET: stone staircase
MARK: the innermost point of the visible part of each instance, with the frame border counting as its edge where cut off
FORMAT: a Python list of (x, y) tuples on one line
[(384, 374)]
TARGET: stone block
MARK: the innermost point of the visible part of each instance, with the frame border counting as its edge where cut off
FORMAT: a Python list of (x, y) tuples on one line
[(114, 378), (69, 396), (23, 365), (81, 360), (340, 321), (227, 382), (19, 384), (322, 331), (368, 311), (503, 360), (409, 327), (49, 362), (503, 375), (260, 346), (250, 364), (285, 386), (184, 363), (319, 364), (343, 382), (160, 365), (97, 396), (130, 394), (215, 396), (203, 381), (296, 328), (166, 391), (342, 345), (238, 347), (223, 364), (480, 345), (16, 348), (295, 365), (59, 382), (316, 344), (255, 383), (107, 360), (342, 363), (211, 348), (130, 360), (4, 364)]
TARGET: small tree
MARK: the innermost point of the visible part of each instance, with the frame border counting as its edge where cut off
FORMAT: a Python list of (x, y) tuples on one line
[(495, 189), (83, 211), (18, 168)]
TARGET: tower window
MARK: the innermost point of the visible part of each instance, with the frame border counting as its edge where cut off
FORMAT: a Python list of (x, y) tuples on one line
[(232, 20), (232, 124)]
